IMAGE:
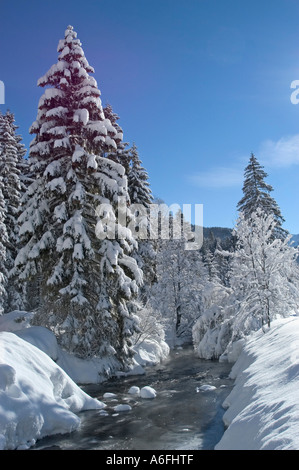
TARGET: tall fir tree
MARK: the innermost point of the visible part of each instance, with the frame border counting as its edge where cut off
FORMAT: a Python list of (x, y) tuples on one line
[(141, 199), (22, 163), (120, 154), (3, 244), (12, 164), (86, 275), (138, 181), (257, 195)]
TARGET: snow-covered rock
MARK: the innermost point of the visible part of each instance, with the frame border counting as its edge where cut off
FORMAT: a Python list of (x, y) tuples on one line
[(122, 407), (109, 395), (134, 390), (206, 388), (148, 392)]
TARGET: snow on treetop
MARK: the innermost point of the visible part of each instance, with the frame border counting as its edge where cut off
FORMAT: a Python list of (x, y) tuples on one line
[(71, 55), (60, 45), (70, 30)]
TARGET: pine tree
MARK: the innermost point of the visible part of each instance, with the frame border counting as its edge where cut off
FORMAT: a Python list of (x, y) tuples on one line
[(257, 195), (140, 201), (86, 277), (120, 154), (11, 164), (138, 184), (22, 163), (3, 244)]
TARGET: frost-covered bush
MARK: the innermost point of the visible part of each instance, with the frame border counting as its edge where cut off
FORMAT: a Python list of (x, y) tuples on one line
[(264, 284), (212, 331)]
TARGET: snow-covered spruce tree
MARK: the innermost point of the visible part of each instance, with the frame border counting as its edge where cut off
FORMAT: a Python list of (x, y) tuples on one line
[(11, 157), (138, 181), (22, 163), (264, 275), (141, 199), (3, 244), (86, 276), (120, 154), (256, 195)]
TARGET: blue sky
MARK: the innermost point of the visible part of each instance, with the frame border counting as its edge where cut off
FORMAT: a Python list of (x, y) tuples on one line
[(198, 86)]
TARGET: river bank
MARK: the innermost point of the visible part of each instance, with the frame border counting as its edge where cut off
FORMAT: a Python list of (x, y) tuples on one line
[(263, 407), (186, 412)]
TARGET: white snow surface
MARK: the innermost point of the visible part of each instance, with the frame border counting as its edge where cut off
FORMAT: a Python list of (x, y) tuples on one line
[(37, 398), (39, 395), (263, 407)]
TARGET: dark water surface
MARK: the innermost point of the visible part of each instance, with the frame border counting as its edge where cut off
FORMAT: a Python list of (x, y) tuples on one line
[(180, 417)]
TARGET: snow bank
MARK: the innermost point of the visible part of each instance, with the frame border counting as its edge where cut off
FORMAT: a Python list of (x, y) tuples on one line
[(81, 371), (263, 407), (37, 398)]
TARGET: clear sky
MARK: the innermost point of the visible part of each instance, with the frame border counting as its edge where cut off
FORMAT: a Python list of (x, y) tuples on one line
[(198, 86)]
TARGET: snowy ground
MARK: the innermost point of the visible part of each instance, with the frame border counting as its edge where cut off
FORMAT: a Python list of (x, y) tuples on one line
[(263, 407), (39, 395)]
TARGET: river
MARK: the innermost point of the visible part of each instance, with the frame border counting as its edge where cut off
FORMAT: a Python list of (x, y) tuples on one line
[(182, 416)]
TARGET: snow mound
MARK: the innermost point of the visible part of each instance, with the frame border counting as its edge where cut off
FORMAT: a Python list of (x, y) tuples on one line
[(109, 395), (37, 398), (206, 388), (148, 392), (134, 390), (16, 320), (263, 407), (123, 407), (42, 338)]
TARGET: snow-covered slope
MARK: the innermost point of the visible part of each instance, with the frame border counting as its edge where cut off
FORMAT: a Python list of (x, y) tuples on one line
[(263, 407), (37, 398)]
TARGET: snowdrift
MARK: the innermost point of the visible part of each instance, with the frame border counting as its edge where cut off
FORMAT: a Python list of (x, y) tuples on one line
[(37, 398), (263, 407)]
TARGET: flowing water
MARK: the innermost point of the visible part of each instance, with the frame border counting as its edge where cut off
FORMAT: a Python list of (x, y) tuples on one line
[(180, 417)]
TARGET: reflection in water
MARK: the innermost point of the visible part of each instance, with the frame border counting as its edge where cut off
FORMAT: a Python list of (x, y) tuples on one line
[(180, 417)]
